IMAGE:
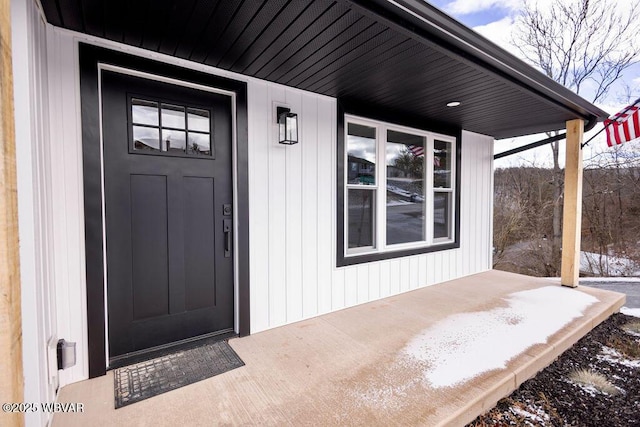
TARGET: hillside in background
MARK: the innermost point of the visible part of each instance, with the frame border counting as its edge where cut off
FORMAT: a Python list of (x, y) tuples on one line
[(523, 230)]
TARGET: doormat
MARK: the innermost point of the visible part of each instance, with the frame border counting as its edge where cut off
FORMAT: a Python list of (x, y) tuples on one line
[(143, 380)]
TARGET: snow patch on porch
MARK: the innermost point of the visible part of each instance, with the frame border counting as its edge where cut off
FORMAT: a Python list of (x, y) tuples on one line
[(463, 346)]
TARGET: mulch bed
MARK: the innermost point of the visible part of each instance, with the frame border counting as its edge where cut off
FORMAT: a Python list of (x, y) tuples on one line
[(552, 399)]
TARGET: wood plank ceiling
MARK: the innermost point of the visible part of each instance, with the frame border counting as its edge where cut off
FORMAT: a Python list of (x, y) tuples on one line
[(335, 48)]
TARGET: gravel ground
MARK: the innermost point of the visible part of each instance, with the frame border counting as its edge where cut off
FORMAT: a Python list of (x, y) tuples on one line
[(551, 398)]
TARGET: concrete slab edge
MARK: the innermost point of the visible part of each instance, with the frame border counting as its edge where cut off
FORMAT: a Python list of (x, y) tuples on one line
[(518, 375)]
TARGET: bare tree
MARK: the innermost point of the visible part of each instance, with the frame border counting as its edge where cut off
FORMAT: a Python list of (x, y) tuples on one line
[(611, 216), (522, 214), (585, 45), (611, 204)]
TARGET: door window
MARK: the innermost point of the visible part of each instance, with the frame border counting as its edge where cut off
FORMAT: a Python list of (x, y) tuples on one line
[(169, 129)]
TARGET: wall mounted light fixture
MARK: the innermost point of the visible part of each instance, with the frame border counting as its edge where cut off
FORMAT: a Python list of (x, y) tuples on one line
[(287, 126)]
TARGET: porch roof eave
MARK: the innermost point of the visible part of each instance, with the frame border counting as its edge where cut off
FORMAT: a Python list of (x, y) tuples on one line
[(402, 56)]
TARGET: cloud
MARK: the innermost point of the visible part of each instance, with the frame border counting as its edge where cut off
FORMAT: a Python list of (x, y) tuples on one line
[(611, 107), (363, 148), (465, 7), (499, 32)]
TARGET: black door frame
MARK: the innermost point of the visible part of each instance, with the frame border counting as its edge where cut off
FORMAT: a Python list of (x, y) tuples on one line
[(90, 57)]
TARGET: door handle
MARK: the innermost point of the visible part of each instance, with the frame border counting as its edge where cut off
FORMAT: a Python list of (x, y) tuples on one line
[(226, 228)]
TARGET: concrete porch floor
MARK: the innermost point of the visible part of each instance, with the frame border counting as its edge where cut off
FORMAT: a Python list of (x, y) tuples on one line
[(339, 369)]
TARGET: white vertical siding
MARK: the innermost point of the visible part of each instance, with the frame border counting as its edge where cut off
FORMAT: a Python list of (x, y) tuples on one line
[(309, 205), (309, 280), (338, 288), (326, 203), (292, 200), (68, 201), (260, 118), (385, 280), (293, 215), (374, 281), (275, 248), (33, 158)]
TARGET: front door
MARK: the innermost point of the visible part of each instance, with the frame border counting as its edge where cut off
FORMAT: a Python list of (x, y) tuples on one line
[(168, 213)]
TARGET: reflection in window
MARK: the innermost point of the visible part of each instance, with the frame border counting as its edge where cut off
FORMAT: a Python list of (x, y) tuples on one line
[(146, 138), (410, 204), (172, 116), (441, 215), (199, 143), (171, 129), (405, 187), (441, 164), (361, 154), (361, 214), (144, 112), (173, 140), (198, 120)]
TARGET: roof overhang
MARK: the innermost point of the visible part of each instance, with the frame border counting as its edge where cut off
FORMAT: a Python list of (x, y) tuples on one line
[(402, 56)]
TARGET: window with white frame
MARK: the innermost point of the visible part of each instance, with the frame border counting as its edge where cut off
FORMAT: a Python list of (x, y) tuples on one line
[(399, 187)]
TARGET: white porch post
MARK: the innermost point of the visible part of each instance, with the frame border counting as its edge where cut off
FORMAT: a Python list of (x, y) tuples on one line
[(572, 216)]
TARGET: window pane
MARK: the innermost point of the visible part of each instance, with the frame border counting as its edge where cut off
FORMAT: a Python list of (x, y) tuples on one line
[(145, 138), (144, 112), (361, 154), (441, 215), (199, 143), (173, 140), (441, 164), (361, 211), (172, 116), (405, 188), (199, 120)]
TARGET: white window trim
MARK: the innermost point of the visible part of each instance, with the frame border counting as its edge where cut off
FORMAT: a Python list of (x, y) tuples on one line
[(380, 214)]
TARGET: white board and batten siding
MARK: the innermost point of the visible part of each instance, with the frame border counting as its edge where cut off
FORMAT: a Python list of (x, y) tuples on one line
[(34, 158), (292, 197), (291, 219), (292, 203)]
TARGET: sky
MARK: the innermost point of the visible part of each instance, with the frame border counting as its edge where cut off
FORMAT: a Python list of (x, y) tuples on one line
[(495, 20)]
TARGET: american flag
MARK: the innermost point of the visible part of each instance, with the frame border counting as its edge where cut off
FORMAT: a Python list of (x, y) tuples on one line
[(417, 150), (624, 126)]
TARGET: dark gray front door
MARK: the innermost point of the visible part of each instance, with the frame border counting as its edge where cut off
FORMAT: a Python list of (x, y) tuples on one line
[(168, 198)]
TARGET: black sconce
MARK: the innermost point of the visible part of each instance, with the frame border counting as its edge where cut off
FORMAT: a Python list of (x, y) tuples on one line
[(287, 126)]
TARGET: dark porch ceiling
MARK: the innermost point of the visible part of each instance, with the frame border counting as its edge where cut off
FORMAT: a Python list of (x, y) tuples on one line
[(404, 56)]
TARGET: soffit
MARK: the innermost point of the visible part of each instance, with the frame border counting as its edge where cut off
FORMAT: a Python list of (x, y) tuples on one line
[(378, 53)]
